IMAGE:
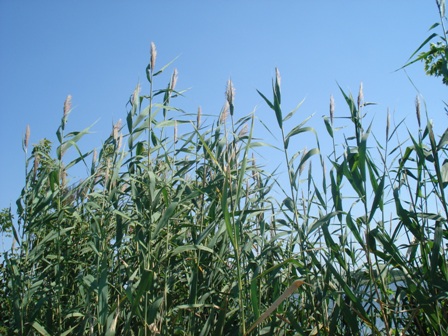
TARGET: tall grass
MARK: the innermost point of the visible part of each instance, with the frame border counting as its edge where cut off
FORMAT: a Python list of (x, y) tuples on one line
[(177, 229)]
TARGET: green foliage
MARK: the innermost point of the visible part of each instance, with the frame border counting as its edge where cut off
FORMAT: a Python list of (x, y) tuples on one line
[(436, 61), (436, 58), (6, 218), (176, 230)]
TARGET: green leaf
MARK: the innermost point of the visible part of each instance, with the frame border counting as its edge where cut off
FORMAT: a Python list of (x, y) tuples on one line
[(441, 5), (112, 324), (297, 130), (436, 247), (16, 236), (119, 231), (68, 332), (328, 126), (254, 297), (351, 103), (165, 66), (78, 159), (289, 203), (140, 149), (306, 157), (422, 56), (325, 220), (347, 290), (74, 315), (54, 180), (353, 229), (171, 123), (371, 242), (187, 248), (243, 164), (266, 100), (103, 293), (286, 294), (154, 309), (290, 114), (72, 138), (363, 154), (444, 172), (224, 208), (145, 282), (169, 212), (376, 204), (275, 107), (407, 218), (336, 194), (41, 330)]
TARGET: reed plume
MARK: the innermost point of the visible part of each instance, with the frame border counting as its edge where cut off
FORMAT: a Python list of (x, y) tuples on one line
[(153, 56), (360, 96), (417, 111), (67, 106), (331, 109), (27, 138)]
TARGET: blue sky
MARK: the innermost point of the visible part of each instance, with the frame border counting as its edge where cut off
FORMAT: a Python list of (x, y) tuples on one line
[(97, 51)]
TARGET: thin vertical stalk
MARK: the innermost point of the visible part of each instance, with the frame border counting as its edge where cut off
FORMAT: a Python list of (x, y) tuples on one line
[(150, 74)]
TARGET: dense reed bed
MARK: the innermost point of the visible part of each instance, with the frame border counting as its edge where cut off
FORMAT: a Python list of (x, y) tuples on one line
[(176, 230)]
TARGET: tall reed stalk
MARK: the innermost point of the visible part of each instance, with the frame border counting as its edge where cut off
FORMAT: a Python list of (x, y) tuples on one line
[(177, 228)]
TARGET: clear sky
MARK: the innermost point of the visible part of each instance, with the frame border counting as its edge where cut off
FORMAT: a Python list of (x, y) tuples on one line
[(97, 51)]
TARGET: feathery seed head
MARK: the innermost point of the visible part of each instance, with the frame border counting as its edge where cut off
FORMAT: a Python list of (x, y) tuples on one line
[(198, 117), (174, 80), (63, 178), (230, 95), (230, 92), (227, 171), (115, 129), (276, 91), (331, 109), (67, 105), (254, 166), (153, 56), (360, 96), (224, 113), (417, 110), (27, 137), (135, 95), (243, 131), (277, 77)]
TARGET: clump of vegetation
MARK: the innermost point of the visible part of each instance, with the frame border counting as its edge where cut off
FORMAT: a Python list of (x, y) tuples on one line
[(436, 58), (176, 230)]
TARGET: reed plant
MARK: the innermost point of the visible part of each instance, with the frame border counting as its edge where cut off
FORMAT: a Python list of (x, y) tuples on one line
[(178, 229)]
